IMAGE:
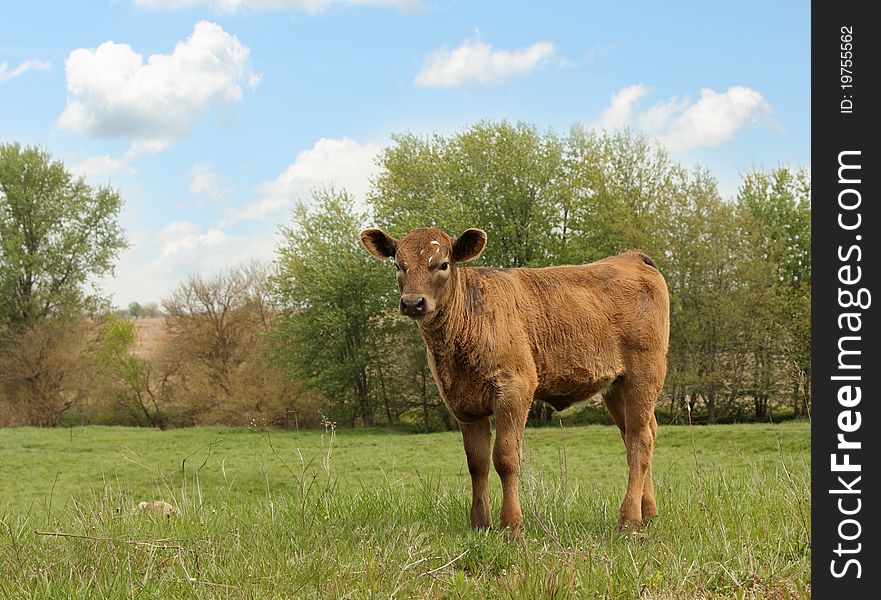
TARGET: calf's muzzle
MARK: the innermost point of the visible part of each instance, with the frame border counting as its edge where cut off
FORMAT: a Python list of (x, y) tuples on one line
[(413, 305)]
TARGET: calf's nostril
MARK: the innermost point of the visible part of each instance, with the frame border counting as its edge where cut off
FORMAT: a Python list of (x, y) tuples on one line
[(413, 306)]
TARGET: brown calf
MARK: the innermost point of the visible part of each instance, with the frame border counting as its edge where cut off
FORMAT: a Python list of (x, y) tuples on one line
[(498, 338)]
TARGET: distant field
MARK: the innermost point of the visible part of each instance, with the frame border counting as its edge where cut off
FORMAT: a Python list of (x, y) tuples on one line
[(149, 336), (374, 514)]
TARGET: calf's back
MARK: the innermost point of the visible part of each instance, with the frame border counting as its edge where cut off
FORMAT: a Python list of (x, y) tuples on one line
[(578, 328)]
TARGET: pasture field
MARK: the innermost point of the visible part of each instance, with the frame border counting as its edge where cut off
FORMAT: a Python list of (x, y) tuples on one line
[(379, 514)]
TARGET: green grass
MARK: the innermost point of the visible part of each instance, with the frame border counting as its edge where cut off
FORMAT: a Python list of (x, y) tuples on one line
[(374, 514)]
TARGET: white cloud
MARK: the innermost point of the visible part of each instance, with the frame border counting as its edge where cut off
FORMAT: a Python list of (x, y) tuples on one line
[(179, 240), (146, 147), (715, 118), (619, 114), (476, 62), (97, 167), (31, 64), (309, 6), (680, 124), (661, 114), (114, 93), (159, 261), (341, 163), (205, 183)]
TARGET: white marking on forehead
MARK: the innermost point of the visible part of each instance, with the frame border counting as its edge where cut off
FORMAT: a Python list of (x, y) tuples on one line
[(436, 250)]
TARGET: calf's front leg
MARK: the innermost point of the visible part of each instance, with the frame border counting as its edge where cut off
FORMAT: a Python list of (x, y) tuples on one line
[(506, 459), (476, 436)]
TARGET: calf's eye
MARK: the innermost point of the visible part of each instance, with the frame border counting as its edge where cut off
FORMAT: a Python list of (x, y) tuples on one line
[(444, 266)]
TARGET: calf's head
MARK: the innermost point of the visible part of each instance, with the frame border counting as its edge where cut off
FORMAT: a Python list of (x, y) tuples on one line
[(425, 260)]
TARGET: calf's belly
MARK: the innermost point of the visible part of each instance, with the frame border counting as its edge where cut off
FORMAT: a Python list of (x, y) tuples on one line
[(564, 393)]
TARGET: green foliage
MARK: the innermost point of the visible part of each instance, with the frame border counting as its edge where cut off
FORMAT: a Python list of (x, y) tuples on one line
[(125, 374), (56, 235), (374, 514), (617, 187), (541, 198), (705, 310), (334, 296), (775, 212), (115, 348), (502, 177)]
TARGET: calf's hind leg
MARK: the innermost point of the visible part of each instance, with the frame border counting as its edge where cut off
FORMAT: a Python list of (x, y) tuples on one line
[(631, 404), (476, 436), (649, 507)]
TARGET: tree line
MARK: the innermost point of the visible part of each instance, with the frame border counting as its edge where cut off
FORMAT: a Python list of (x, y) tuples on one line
[(316, 336)]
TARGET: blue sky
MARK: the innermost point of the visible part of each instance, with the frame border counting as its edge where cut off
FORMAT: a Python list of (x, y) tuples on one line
[(213, 117)]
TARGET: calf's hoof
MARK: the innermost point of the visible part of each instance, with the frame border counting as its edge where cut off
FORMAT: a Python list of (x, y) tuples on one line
[(629, 522), (512, 527), (649, 511), (480, 519), (513, 534)]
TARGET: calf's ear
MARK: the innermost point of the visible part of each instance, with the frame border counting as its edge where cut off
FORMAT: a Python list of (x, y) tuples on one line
[(379, 243), (469, 245)]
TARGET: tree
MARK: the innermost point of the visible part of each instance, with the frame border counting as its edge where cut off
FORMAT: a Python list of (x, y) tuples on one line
[(504, 177), (127, 378), (775, 209), (700, 264), (42, 371), (150, 310), (214, 366), (134, 310), (336, 299), (213, 321), (57, 234), (406, 388), (617, 190)]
